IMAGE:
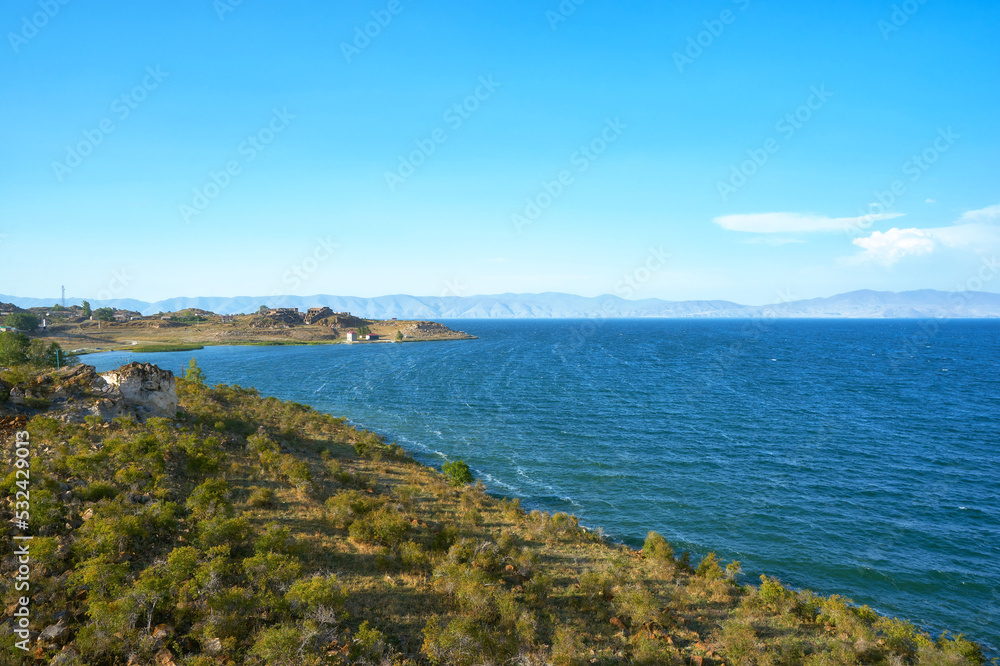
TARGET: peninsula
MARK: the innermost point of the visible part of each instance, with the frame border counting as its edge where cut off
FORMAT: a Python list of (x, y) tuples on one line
[(80, 329)]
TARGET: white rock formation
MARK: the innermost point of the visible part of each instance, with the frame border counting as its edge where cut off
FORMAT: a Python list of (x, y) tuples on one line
[(146, 388)]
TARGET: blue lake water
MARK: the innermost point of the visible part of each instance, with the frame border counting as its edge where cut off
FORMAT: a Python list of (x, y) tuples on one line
[(853, 457)]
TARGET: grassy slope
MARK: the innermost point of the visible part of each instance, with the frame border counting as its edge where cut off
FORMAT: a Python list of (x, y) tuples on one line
[(255, 531)]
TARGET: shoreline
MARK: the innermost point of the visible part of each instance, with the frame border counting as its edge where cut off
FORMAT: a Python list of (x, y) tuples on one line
[(142, 349), (598, 532), (676, 615)]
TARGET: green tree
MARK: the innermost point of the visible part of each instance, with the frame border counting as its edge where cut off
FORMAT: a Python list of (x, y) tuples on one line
[(86, 310), (104, 314), (364, 330), (57, 308), (399, 336), (48, 355), (263, 309), (457, 472), (194, 373), (23, 321), (13, 348)]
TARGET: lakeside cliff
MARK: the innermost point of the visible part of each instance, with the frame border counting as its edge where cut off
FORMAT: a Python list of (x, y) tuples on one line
[(174, 522)]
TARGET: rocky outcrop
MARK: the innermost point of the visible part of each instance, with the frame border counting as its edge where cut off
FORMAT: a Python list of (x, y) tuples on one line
[(145, 388), (137, 390)]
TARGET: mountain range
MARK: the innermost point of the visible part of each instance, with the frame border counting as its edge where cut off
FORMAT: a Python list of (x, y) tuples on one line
[(922, 304)]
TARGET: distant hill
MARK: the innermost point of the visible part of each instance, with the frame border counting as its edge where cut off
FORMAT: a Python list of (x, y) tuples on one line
[(921, 304)]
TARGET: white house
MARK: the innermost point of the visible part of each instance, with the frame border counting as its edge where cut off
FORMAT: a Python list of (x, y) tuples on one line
[(352, 336)]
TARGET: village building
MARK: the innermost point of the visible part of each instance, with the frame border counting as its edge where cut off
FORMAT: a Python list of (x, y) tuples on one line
[(284, 311), (314, 315), (352, 336)]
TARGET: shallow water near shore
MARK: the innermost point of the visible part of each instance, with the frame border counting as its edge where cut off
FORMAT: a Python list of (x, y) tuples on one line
[(859, 458)]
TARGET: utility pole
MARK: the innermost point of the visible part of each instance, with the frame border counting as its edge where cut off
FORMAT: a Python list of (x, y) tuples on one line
[(64, 295)]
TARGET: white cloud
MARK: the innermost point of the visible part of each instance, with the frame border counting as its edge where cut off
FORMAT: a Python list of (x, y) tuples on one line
[(983, 215), (929, 201), (770, 223), (890, 246)]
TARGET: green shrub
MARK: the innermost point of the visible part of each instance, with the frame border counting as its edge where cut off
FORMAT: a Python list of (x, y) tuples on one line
[(493, 628), (203, 455), (210, 499), (650, 649), (772, 593), (958, 646), (296, 472), (279, 645), (261, 498), (221, 531), (738, 642), (308, 595), (638, 604), (595, 586), (568, 649), (272, 571), (412, 557), (384, 527), (458, 473), (709, 568), (96, 491), (232, 613), (368, 646), (658, 549), (406, 494), (444, 538), (182, 563), (102, 576), (538, 588), (346, 507), (512, 509), (114, 529), (276, 539), (563, 524), (267, 451)]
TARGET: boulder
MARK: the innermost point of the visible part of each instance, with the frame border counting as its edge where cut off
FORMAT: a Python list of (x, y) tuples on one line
[(212, 646), (55, 633), (162, 633), (137, 390), (164, 658), (68, 657), (146, 388)]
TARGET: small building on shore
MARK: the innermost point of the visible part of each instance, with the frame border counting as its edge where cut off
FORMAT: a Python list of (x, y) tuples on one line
[(352, 336), (370, 336)]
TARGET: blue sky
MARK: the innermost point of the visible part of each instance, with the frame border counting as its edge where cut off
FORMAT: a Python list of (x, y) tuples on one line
[(203, 147)]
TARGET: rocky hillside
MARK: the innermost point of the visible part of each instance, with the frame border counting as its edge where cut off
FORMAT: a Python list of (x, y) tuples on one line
[(244, 530)]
